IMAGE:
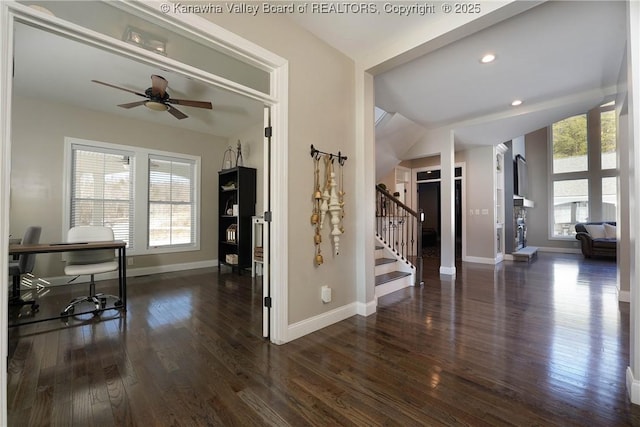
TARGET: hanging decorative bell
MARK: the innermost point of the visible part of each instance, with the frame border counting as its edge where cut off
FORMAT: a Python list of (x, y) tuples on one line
[(317, 195), (315, 218), (319, 259), (317, 239)]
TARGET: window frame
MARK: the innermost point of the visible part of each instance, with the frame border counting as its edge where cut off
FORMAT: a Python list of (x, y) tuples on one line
[(593, 174), (193, 203), (141, 157), (69, 172)]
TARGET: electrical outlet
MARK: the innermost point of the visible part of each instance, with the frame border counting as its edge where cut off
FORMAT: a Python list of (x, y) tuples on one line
[(325, 292), (130, 261)]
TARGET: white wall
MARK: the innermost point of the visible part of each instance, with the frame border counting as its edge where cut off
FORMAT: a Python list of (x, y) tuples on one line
[(39, 129), (322, 113)]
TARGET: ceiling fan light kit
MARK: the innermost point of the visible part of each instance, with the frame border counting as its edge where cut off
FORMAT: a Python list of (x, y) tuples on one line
[(158, 99), (156, 106)]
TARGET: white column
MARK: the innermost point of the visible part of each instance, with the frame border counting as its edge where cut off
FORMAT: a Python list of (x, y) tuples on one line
[(633, 40), (447, 209), (365, 198)]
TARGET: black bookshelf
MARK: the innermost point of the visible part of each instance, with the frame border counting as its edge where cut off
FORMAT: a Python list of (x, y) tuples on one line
[(236, 186)]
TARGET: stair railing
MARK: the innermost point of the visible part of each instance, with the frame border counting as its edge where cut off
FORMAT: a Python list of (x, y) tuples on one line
[(400, 227)]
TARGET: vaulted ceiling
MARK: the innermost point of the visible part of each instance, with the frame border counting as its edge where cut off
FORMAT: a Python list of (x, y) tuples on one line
[(559, 58)]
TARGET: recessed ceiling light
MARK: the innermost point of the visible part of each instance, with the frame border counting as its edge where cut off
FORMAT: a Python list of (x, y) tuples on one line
[(516, 103), (489, 57)]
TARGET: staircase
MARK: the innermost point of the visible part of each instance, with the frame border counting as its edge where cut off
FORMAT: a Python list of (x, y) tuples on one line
[(392, 273), (399, 242)]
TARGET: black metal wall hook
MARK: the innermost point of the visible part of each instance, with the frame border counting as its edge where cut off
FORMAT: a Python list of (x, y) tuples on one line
[(316, 154)]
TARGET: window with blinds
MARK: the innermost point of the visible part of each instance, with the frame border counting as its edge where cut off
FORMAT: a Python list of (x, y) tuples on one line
[(171, 202), (102, 190)]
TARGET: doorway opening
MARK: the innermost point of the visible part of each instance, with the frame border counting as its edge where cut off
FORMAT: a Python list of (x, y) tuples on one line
[(428, 186)]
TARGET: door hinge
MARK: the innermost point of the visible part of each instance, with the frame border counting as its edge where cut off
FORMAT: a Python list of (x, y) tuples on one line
[(267, 302), (267, 216), (268, 131)]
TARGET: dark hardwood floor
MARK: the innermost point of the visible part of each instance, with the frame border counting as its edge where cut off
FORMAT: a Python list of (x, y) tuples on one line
[(544, 343)]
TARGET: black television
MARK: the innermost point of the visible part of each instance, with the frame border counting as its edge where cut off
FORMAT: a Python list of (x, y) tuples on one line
[(520, 177)]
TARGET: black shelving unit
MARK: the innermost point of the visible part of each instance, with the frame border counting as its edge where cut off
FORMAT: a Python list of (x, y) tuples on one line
[(237, 186)]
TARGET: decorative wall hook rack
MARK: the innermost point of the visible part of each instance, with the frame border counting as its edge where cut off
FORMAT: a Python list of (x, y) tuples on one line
[(315, 153)]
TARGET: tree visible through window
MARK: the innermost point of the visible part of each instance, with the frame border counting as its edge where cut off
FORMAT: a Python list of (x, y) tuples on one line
[(608, 139), (171, 202), (570, 145), (573, 181)]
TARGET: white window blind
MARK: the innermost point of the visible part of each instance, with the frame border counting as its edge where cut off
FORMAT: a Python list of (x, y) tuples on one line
[(171, 202), (102, 190)]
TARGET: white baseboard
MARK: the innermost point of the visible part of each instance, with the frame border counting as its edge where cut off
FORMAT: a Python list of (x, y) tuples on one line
[(320, 321), (633, 387), (624, 296), (448, 271), (480, 260), (133, 272), (367, 309)]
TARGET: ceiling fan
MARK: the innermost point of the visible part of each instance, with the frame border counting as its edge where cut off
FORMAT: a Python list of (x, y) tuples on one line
[(158, 98)]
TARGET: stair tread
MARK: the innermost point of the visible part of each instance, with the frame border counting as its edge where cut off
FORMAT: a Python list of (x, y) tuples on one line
[(388, 277), (381, 261)]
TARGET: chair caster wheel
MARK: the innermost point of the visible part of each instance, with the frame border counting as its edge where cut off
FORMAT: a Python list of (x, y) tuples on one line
[(118, 303), (68, 312)]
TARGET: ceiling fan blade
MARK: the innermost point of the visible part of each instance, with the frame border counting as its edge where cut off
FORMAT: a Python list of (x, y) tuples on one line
[(188, 103), (121, 88), (177, 113), (132, 104), (158, 85)]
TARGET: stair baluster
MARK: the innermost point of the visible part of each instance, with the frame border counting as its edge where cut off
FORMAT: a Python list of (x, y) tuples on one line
[(400, 227)]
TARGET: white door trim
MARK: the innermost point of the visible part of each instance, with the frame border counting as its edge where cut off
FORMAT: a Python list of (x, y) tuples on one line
[(414, 198)]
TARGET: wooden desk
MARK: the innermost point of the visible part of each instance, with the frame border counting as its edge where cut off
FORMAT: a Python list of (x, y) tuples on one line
[(41, 248)]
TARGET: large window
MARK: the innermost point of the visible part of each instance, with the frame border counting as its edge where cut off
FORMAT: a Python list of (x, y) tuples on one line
[(570, 145), (149, 198), (171, 202), (583, 163), (570, 205), (102, 190)]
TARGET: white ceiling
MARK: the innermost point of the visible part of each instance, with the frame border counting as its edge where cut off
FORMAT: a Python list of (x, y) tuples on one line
[(560, 58), (52, 67)]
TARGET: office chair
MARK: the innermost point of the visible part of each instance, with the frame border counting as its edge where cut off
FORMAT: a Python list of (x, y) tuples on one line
[(90, 262), (24, 265)]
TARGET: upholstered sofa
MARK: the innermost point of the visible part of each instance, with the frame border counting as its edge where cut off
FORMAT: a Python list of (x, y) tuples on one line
[(597, 239)]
